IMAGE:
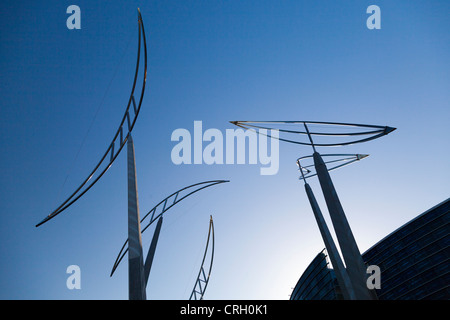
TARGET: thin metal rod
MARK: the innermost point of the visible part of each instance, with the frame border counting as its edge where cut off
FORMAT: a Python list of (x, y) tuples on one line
[(151, 251), (309, 136)]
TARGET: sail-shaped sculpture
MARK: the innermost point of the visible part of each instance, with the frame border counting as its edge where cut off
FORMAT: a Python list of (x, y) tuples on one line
[(121, 135), (164, 205), (329, 134), (203, 277), (336, 133), (337, 161)]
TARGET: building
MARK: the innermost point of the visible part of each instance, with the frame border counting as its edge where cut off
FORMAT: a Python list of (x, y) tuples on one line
[(414, 261)]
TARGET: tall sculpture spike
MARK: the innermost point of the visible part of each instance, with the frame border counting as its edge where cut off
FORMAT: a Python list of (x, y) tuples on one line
[(136, 279)]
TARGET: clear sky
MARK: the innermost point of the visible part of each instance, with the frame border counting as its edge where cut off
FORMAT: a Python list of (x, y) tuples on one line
[(64, 91)]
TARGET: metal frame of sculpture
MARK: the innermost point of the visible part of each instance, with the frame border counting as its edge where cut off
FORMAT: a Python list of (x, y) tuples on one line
[(172, 200), (352, 278), (138, 271), (342, 276), (202, 278), (372, 131), (127, 123), (345, 160)]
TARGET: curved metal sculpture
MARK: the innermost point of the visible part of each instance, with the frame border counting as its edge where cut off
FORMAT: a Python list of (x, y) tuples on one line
[(344, 160), (164, 205), (343, 134), (367, 132), (202, 277), (127, 124)]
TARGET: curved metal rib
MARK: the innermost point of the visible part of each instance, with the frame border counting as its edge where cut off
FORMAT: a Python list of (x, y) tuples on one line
[(346, 159), (374, 131), (202, 277), (119, 137), (164, 205)]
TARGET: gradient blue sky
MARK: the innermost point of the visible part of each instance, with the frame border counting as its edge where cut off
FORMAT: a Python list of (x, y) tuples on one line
[(213, 61)]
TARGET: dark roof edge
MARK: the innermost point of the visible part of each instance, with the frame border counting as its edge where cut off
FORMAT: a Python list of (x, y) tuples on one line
[(407, 223)]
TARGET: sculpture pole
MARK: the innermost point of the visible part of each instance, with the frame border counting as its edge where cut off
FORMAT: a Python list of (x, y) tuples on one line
[(355, 265), (136, 280), (339, 269)]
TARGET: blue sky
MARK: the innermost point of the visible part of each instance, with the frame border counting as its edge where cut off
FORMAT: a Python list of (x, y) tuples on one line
[(213, 61)]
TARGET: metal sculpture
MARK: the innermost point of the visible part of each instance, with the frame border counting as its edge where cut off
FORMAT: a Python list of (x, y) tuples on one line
[(202, 278), (136, 278), (339, 268), (367, 132), (340, 161), (138, 271), (342, 276), (354, 264), (120, 137), (163, 206)]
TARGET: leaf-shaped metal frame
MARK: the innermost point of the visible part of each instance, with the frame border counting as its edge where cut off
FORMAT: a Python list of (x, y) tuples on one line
[(202, 277), (163, 206), (119, 137), (345, 160), (372, 131)]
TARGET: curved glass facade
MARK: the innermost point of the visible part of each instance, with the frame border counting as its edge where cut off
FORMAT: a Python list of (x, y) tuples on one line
[(318, 282), (414, 261)]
